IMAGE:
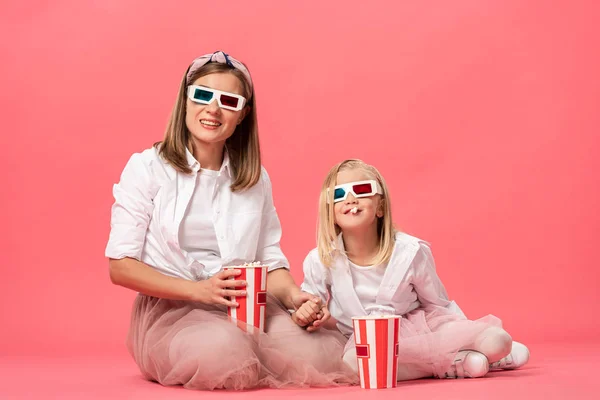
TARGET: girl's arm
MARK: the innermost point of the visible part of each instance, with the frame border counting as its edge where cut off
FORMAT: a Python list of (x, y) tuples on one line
[(316, 277), (428, 285)]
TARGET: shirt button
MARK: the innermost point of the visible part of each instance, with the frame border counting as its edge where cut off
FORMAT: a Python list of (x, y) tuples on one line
[(222, 237)]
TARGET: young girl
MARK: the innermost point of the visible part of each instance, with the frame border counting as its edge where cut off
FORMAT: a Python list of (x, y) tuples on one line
[(195, 202), (363, 266)]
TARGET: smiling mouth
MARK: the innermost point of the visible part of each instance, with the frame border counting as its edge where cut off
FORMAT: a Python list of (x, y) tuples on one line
[(210, 123)]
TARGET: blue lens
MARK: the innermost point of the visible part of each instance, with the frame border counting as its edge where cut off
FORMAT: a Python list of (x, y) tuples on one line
[(203, 95), (339, 193)]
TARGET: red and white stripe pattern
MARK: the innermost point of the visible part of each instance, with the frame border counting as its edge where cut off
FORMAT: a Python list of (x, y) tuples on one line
[(252, 307), (376, 340)]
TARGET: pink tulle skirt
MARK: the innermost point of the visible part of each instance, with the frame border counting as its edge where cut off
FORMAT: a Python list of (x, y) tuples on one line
[(197, 346), (431, 337)]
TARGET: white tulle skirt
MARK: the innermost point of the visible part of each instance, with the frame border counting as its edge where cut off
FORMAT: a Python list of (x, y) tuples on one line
[(197, 346)]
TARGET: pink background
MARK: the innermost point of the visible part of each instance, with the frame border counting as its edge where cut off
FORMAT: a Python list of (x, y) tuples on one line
[(482, 116)]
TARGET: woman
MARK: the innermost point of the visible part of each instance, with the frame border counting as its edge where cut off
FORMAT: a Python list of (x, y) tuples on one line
[(195, 202)]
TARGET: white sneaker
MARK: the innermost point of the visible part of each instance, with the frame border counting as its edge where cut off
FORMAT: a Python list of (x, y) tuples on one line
[(519, 355), (468, 364)]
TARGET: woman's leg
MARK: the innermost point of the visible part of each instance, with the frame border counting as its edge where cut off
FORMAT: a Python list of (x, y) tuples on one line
[(312, 358), (207, 355), (177, 343)]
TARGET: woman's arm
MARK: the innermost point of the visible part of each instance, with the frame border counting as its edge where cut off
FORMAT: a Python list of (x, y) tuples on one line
[(281, 285), (130, 217), (136, 275), (268, 250), (279, 280)]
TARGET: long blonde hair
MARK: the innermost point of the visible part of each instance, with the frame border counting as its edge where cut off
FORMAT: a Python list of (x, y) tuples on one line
[(328, 230), (243, 146)]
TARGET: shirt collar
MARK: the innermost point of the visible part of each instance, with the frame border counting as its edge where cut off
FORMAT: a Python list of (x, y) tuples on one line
[(195, 165)]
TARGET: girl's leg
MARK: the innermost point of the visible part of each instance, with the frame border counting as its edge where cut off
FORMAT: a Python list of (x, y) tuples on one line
[(493, 342), (406, 372), (519, 356), (420, 360), (467, 364)]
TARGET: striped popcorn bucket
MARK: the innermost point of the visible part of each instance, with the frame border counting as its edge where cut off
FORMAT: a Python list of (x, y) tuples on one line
[(376, 339), (252, 307)]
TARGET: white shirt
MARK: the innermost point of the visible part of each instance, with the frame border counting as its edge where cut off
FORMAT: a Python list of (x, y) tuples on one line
[(151, 199), (409, 282), (197, 233), (366, 282)]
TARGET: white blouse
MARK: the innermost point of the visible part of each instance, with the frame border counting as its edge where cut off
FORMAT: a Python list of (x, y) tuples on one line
[(197, 233), (409, 282), (367, 280), (151, 200)]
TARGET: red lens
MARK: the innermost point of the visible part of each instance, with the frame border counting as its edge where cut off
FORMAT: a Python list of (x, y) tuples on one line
[(362, 188), (229, 101)]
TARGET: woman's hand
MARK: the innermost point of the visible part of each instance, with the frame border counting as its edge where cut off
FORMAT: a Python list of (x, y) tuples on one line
[(219, 289)]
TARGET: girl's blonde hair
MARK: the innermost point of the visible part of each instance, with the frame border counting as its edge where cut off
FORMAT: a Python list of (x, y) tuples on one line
[(243, 147), (328, 230)]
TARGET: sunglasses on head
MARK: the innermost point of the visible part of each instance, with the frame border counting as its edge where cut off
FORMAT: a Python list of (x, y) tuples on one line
[(205, 95), (358, 189)]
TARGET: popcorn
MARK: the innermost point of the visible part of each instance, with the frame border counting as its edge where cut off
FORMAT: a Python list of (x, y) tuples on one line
[(252, 264), (377, 310)]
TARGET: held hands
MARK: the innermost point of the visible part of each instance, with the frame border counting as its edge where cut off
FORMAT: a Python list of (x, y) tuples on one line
[(311, 312), (219, 288)]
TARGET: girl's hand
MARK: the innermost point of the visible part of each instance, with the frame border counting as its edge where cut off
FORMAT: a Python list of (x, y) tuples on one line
[(219, 289), (324, 316), (312, 315), (308, 312)]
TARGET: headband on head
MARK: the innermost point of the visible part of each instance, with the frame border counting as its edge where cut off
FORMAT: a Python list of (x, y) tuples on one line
[(221, 58)]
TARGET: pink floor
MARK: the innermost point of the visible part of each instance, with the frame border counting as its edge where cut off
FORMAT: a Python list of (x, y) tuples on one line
[(555, 371)]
